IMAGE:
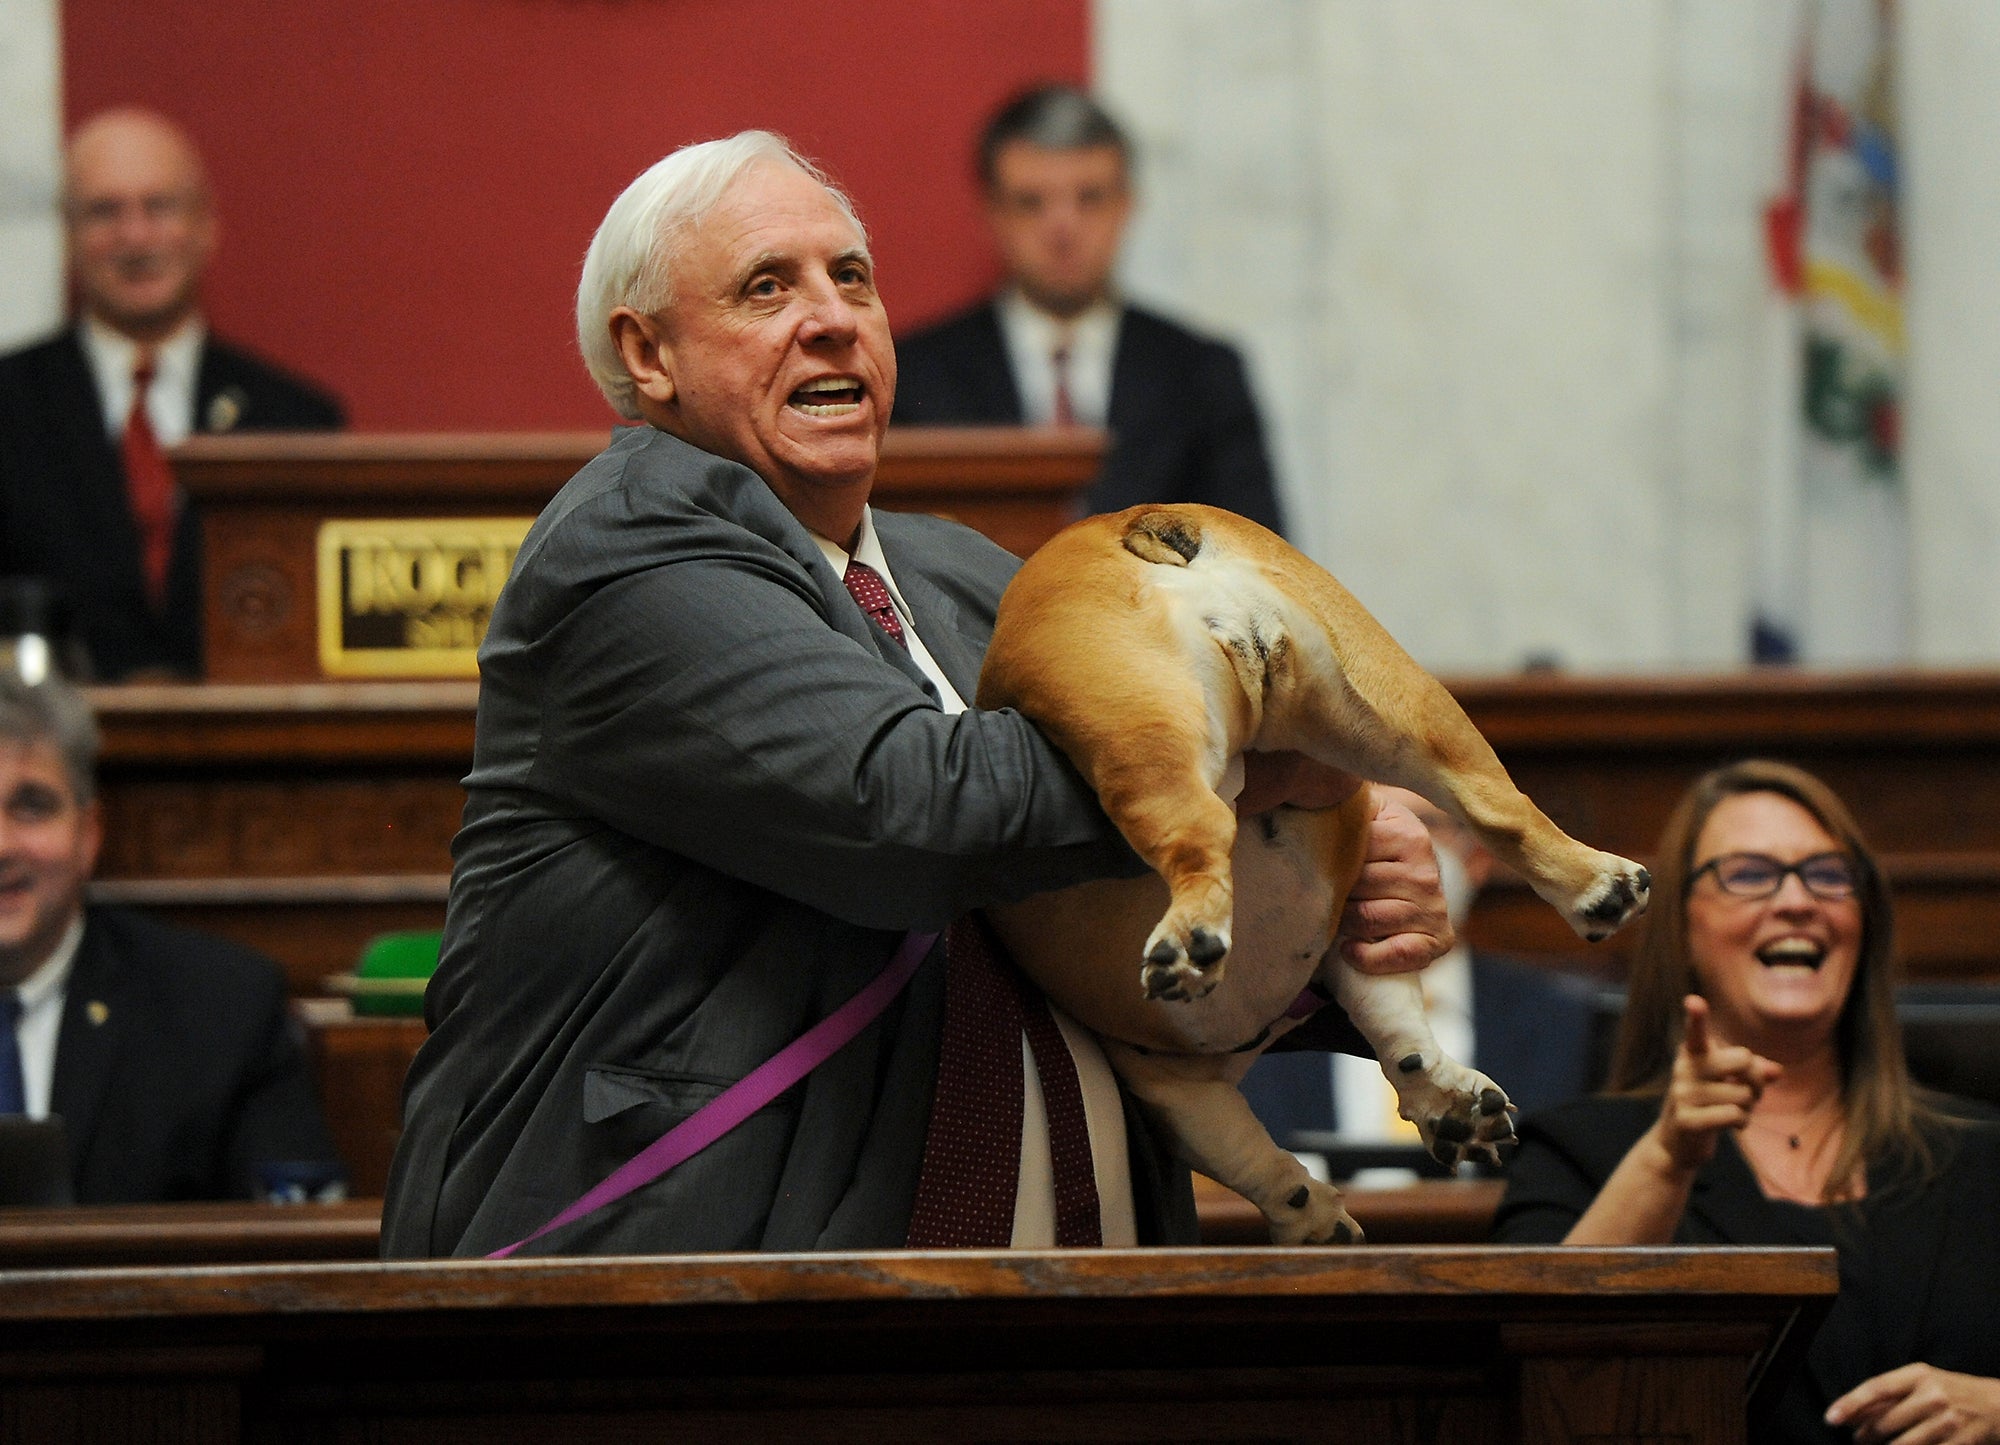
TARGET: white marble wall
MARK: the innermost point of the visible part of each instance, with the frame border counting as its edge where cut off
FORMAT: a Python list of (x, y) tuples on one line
[(1951, 113), (1500, 270), (30, 164)]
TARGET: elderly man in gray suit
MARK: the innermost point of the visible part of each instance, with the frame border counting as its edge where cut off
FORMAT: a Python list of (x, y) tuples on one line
[(724, 765)]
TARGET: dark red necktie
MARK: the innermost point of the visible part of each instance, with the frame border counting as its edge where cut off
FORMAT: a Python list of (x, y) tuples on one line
[(149, 487), (972, 1150), (1064, 413), (866, 586)]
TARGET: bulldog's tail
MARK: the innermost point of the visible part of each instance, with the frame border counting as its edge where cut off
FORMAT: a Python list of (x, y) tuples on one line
[(1171, 538)]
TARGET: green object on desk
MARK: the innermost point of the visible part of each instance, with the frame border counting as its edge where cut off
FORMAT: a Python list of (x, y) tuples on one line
[(393, 971)]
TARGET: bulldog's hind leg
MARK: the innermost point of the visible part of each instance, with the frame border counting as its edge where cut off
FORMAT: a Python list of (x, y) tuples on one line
[(1154, 742), (1158, 786), (1459, 1111), (1216, 1133), (1380, 714)]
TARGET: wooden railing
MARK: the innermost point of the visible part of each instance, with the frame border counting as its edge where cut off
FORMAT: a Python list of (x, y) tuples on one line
[(1460, 1345), (96, 1236)]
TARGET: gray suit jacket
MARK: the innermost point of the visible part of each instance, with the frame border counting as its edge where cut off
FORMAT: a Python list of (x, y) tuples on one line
[(708, 795)]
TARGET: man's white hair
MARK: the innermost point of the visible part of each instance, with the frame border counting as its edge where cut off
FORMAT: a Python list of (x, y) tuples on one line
[(633, 256)]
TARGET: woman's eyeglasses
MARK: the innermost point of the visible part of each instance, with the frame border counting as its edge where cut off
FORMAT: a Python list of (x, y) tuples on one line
[(1831, 876)]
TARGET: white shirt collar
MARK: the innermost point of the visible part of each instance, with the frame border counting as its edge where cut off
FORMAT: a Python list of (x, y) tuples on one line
[(52, 978), (42, 995), (1032, 336), (176, 373)]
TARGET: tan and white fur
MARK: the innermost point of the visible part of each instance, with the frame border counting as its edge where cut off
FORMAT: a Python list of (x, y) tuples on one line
[(1154, 646)]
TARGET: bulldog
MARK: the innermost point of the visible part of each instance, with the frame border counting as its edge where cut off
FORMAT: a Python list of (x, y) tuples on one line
[(1154, 646)]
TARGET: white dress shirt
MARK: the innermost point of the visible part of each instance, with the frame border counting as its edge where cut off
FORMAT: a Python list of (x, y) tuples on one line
[(1103, 1109), (176, 370), (1032, 337), (41, 995)]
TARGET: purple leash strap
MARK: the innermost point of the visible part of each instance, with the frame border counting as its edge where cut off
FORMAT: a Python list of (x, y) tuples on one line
[(749, 1093)]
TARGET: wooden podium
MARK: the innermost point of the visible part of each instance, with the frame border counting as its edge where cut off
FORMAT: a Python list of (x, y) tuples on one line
[(462, 502), (1535, 1346)]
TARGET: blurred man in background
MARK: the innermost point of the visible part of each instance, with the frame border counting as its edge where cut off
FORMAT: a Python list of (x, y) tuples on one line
[(87, 500), (170, 1057), (1057, 346)]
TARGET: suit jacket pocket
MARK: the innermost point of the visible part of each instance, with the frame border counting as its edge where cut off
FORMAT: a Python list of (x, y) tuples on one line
[(717, 1200), (663, 1099)]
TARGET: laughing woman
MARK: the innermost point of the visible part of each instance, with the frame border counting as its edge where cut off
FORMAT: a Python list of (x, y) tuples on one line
[(1760, 1097)]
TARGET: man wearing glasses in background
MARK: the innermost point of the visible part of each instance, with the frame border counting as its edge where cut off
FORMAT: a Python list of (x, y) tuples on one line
[(87, 500)]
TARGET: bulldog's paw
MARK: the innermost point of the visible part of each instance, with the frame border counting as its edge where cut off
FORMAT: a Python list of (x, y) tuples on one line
[(1460, 1113), (1183, 964), (1312, 1213), (1617, 895)]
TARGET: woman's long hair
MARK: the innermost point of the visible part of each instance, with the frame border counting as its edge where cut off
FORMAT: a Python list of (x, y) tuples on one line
[(1885, 1118)]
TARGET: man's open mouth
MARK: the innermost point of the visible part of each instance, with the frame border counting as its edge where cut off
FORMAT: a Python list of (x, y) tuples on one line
[(1799, 952), (829, 396)]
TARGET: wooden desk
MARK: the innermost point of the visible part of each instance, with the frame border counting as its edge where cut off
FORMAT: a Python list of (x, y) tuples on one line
[(1428, 1211), (159, 1235), (300, 819), (360, 1063), (1433, 1211), (1540, 1345)]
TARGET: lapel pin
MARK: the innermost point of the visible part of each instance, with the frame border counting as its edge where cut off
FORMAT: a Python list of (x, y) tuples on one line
[(97, 1011), (227, 409)]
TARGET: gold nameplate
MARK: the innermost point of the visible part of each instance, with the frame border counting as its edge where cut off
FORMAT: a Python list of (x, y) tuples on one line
[(411, 598)]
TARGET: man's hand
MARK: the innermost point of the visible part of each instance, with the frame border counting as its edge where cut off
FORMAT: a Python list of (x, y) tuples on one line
[(1395, 920), (1921, 1405), (1714, 1087)]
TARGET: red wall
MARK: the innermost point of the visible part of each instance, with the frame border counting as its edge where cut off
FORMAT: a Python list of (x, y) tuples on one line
[(407, 186)]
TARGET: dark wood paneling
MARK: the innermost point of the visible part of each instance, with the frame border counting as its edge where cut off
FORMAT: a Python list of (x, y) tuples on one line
[(1915, 755), (361, 1064), (304, 819)]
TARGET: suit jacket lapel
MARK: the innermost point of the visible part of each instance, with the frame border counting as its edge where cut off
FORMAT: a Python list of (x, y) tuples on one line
[(94, 1017), (220, 404), (991, 374), (77, 411), (937, 624), (957, 656), (1134, 395)]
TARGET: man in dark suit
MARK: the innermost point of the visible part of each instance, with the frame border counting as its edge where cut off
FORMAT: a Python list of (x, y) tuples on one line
[(724, 767), (170, 1057), (1527, 1028), (87, 501), (1057, 346)]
